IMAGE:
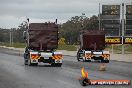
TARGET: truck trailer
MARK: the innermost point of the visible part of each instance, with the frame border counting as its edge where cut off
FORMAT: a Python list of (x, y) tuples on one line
[(41, 44), (92, 45)]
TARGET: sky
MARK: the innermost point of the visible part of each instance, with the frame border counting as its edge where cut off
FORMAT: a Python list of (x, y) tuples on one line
[(14, 12)]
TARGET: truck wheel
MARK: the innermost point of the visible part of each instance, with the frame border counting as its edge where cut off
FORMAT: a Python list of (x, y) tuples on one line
[(25, 62), (29, 62), (78, 55), (34, 64), (84, 60), (88, 60), (78, 59), (56, 64), (104, 61), (25, 59), (59, 64)]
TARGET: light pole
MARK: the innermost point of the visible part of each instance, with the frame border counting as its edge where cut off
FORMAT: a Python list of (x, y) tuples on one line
[(83, 17), (99, 18), (122, 27), (10, 37)]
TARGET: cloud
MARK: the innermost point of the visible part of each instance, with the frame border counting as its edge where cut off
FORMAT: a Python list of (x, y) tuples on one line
[(14, 10)]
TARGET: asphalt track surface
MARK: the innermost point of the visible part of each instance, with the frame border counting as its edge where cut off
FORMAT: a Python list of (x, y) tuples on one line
[(14, 74)]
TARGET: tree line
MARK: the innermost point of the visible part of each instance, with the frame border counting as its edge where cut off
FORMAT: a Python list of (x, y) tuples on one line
[(68, 30), (71, 29), (13, 34)]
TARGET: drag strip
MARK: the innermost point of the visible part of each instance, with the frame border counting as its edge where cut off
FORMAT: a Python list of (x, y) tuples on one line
[(14, 74)]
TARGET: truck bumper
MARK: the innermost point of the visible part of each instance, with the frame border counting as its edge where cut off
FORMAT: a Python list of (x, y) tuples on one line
[(97, 58), (50, 60), (45, 57)]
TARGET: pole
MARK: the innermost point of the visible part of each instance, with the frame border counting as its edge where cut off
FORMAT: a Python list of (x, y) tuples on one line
[(123, 27), (27, 32), (10, 37), (99, 18), (112, 49), (83, 17)]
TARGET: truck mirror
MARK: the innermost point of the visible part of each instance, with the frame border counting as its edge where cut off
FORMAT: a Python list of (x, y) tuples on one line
[(24, 35)]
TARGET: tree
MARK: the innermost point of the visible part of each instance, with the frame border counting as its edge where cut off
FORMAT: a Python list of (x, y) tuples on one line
[(16, 34), (4, 35), (70, 30), (93, 23), (19, 33)]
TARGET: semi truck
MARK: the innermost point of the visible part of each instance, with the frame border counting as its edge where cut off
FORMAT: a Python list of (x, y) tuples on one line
[(92, 45), (41, 44)]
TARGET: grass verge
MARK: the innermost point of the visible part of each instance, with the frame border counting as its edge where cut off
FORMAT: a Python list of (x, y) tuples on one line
[(67, 47), (118, 48), (22, 45), (16, 45)]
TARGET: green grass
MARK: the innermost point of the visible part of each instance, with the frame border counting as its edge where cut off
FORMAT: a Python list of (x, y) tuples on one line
[(67, 47), (16, 45), (128, 48), (22, 45), (117, 48)]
